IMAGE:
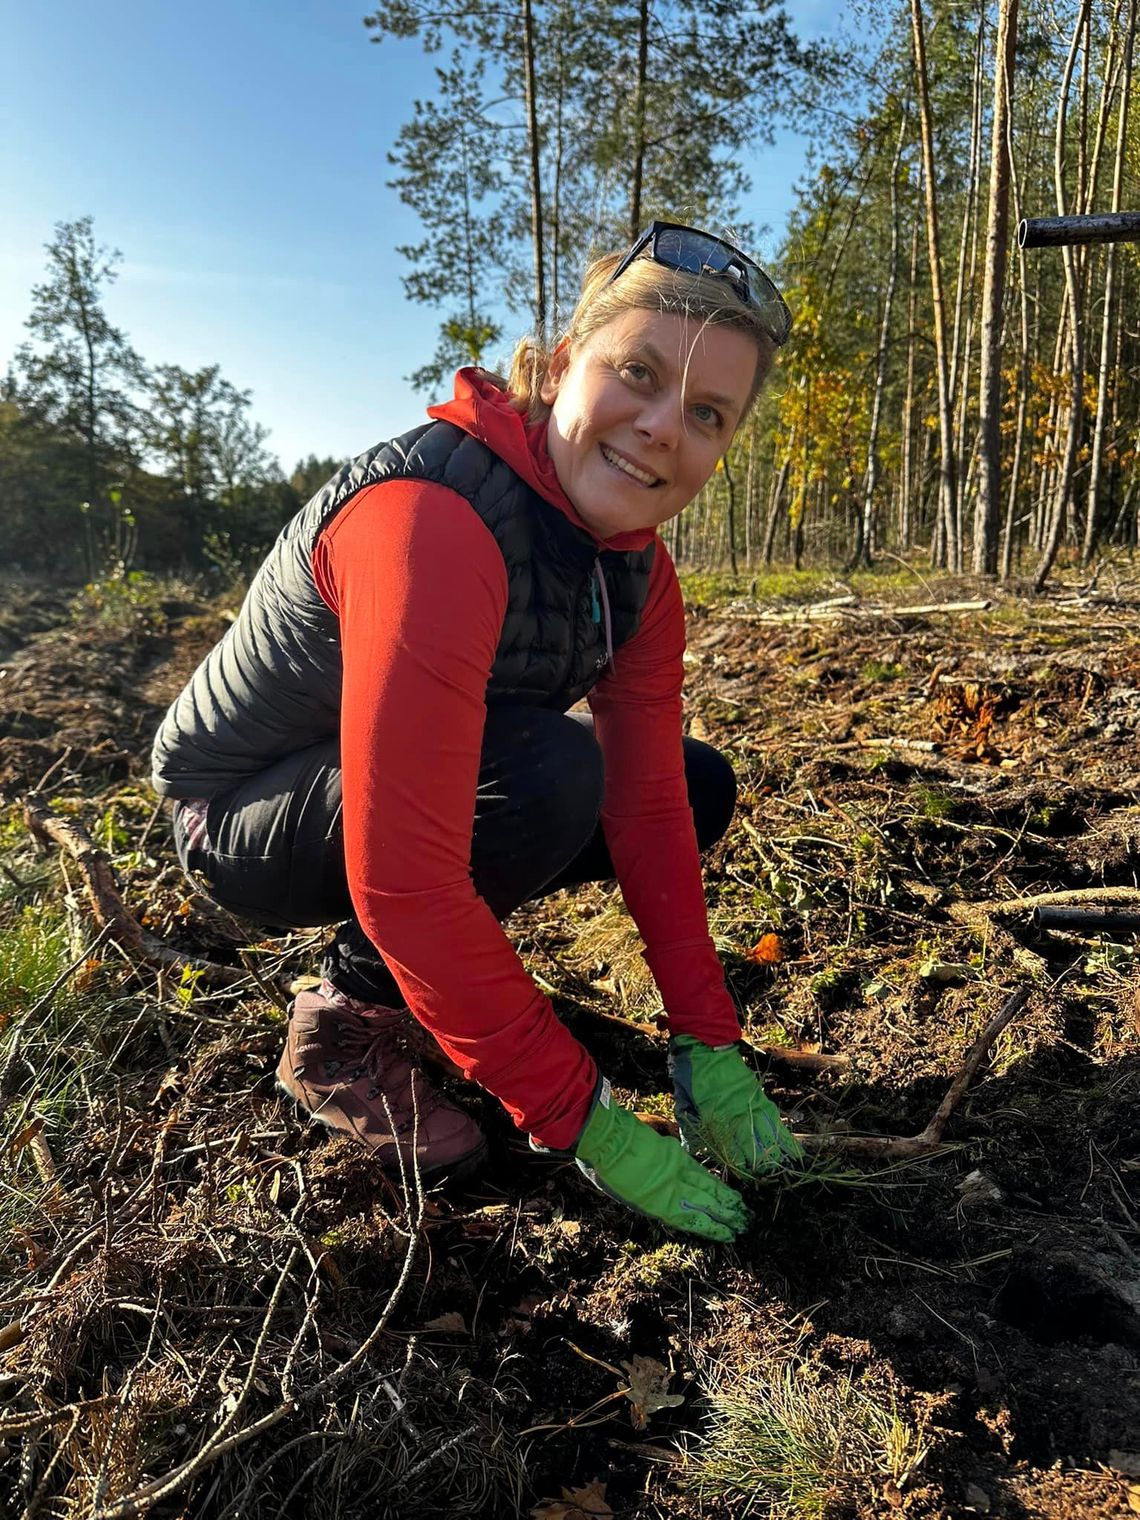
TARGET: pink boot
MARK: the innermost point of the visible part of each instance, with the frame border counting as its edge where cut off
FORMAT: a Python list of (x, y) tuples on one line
[(349, 1066)]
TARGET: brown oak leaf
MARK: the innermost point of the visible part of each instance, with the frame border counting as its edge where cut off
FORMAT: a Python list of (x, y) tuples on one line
[(587, 1503)]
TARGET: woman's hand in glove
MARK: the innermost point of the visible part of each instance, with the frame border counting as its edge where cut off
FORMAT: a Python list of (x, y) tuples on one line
[(653, 1174), (721, 1109)]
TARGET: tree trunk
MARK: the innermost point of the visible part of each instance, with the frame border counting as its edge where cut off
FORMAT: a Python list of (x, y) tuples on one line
[(866, 538), (947, 477), (639, 120), (730, 514), (906, 504), (1093, 515), (997, 244), (536, 227), (1076, 342), (776, 501)]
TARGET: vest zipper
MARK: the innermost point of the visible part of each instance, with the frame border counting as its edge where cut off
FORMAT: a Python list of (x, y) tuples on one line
[(600, 611)]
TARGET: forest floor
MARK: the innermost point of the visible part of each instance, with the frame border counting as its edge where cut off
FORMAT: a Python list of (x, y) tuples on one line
[(208, 1309)]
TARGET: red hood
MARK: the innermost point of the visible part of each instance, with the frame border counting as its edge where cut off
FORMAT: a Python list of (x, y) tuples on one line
[(483, 409)]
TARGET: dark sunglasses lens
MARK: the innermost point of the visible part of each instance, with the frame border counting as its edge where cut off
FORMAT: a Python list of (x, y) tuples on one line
[(696, 252), (691, 252)]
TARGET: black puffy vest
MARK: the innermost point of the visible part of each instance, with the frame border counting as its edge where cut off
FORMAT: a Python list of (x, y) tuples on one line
[(272, 685)]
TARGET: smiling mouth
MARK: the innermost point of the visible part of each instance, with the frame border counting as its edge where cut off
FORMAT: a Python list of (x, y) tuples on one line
[(642, 477)]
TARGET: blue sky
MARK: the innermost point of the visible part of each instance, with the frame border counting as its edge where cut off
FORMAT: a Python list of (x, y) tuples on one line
[(235, 154)]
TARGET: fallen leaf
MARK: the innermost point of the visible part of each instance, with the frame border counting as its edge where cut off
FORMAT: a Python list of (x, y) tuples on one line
[(450, 1324), (86, 974), (25, 1137), (1134, 1498), (933, 970), (647, 1391), (767, 951), (587, 1503)]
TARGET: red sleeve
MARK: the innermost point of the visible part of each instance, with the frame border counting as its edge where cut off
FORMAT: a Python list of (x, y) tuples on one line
[(647, 819), (419, 586)]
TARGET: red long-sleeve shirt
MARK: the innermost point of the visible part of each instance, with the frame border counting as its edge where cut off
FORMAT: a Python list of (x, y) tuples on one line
[(420, 590)]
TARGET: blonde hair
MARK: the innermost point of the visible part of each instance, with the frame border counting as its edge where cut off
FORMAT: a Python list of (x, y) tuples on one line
[(644, 286)]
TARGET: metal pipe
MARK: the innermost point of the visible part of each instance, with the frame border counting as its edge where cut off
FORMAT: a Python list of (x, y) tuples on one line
[(1088, 920), (1058, 231)]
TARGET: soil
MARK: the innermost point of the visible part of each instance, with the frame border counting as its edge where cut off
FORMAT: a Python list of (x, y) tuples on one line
[(897, 774)]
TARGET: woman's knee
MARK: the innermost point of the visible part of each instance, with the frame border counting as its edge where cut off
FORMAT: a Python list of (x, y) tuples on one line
[(540, 793), (712, 791), (538, 760)]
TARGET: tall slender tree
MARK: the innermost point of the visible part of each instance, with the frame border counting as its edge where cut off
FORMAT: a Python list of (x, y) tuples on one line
[(988, 511), (79, 372), (948, 471)]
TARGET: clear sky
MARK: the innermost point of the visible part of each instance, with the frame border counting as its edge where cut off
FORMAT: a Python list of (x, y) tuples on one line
[(235, 154)]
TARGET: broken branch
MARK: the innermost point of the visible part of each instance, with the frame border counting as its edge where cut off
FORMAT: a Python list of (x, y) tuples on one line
[(107, 906), (898, 1148)]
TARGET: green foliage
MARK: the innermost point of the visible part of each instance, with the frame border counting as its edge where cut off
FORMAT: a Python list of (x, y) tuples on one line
[(649, 1271), (105, 462), (933, 803), (637, 113), (882, 670), (125, 600), (34, 948)]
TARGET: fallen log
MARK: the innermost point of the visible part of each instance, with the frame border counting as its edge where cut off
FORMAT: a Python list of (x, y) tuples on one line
[(1012, 907), (841, 608), (1087, 921)]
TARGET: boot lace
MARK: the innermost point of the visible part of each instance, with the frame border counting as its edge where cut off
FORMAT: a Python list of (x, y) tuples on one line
[(375, 1045)]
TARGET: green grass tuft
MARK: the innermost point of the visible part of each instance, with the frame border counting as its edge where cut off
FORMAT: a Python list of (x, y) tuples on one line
[(782, 1443)]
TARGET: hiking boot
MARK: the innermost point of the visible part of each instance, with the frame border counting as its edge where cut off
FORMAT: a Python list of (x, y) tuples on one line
[(348, 1065)]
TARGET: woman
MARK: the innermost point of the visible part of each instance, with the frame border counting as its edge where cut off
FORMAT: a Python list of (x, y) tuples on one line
[(381, 739)]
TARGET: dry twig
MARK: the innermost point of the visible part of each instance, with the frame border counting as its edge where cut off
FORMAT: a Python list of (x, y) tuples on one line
[(107, 905), (899, 1148)]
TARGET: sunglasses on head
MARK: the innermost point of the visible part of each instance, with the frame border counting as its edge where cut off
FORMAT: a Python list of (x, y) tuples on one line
[(692, 251)]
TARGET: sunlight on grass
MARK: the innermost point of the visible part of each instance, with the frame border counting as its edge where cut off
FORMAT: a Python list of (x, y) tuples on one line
[(709, 588), (781, 1442), (34, 948), (58, 1060)]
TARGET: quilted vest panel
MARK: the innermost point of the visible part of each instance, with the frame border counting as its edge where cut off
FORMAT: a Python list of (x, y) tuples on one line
[(272, 685)]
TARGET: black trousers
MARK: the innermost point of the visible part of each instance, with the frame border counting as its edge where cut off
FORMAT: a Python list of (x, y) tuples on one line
[(274, 851)]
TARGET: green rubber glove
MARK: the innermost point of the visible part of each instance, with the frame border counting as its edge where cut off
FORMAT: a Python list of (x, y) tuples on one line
[(653, 1174), (721, 1109)]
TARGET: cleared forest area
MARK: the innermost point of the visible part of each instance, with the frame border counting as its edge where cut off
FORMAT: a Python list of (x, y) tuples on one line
[(209, 1309)]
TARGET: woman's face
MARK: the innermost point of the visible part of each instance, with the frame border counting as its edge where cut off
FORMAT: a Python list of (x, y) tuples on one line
[(640, 413)]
